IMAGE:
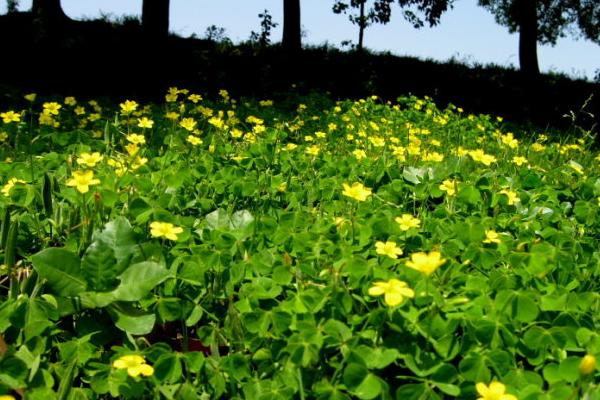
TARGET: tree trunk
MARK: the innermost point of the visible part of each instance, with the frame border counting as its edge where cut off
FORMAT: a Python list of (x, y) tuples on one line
[(291, 40), (155, 18), (528, 35), (361, 24), (50, 22), (48, 10)]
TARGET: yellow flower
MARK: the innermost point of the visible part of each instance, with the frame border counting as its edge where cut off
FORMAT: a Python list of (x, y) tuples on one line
[(145, 122), (394, 290), (426, 263), (510, 141), (512, 196), (7, 397), (519, 160), (265, 103), (188, 124), (172, 115), (88, 159), (138, 162), (493, 392), (377, 141), (224, 94), (357, 191), (79, 110), (433, 156), (217, 122), (134, 364), (10, 116), (194, 98), (94, 117), (166, 229), (491, 236), (194, 140), (82, 180), (70, 101), (236, 133), (388, 249), (135, 138), (10, 184), (587, 365), (407, 221), (290, 146), (359, 154), (51, 108), (480, 156), (131, 149), (30, 97), (128, 106), (538, 147), (313, 150), (449, 186)]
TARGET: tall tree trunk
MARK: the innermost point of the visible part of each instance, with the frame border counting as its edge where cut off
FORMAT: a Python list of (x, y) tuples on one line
[(49, 20), (528, 35), (48, 10), (361, 24), (291, 40), (155, 18)]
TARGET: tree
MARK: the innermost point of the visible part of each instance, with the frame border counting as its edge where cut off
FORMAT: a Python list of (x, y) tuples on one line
[(544, 21), (292, 31), (49, 19), (416, 12), (12, 6), (48, 10), (380, 12), (155, 18)]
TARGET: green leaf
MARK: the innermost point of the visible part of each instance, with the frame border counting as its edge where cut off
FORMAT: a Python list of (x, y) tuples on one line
[(525, 308), (118, 235), (473, 368), (569, 369), (447, 388), (217, 219), (168, 368), (61, 269), (99, 266), (237, 367), (241, 219), (13, 372), (412, 391), (369, 388), (169, 308), (354, 374), (132, 321), (552, 374), (139, 279), (469, 195)]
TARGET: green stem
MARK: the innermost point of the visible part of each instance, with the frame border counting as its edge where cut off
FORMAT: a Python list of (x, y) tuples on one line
[(301, 384)]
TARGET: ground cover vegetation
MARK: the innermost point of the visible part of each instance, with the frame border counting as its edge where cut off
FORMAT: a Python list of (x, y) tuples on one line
[(233, 248)]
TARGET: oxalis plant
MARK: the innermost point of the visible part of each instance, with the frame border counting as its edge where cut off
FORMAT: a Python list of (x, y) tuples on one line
[(221, 248)]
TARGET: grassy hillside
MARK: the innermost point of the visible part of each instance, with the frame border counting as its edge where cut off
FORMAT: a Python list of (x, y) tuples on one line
[(102, 58)]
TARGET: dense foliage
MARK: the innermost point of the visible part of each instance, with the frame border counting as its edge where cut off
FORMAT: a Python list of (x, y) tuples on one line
[(232, 249)]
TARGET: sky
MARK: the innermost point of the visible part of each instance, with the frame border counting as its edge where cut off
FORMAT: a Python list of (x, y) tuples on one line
[(467, 33)]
